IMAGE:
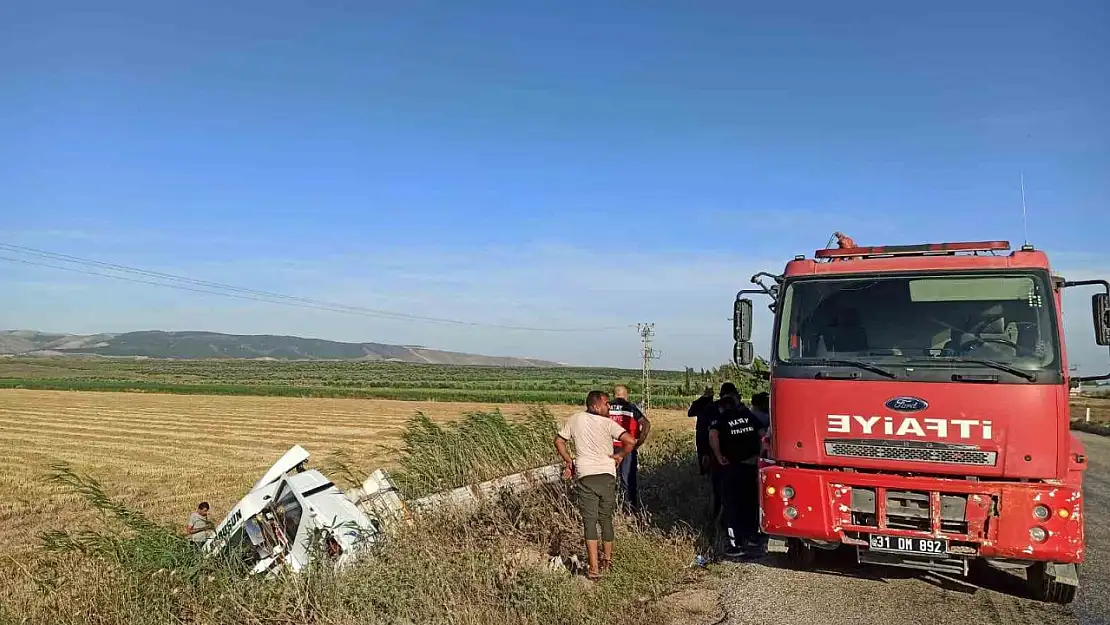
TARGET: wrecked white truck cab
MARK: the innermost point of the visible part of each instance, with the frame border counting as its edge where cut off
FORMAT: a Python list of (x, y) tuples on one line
[(291, 516)]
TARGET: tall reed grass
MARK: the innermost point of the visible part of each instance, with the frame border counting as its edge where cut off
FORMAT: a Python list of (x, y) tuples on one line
[(479, 447)]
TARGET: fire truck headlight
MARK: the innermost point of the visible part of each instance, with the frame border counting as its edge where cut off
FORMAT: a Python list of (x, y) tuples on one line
[(788, 492), (1041, 513), (790, 512), (1038, 534)]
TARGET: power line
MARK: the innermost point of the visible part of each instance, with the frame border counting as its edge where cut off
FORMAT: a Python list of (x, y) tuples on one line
[(157, 278), (691, 335), (152, 282)]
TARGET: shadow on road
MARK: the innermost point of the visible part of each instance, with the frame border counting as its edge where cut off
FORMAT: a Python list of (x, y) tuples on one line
[(676, 497), (842, 563)]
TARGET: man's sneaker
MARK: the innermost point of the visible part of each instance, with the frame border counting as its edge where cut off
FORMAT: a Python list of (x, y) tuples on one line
[(755, 547), (733, 551)]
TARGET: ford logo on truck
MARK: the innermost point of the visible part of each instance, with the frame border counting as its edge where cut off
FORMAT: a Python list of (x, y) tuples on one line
[(907, 404)]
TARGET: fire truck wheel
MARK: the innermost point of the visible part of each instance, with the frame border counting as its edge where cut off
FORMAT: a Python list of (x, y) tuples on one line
[(800, 555), (1046, 588)]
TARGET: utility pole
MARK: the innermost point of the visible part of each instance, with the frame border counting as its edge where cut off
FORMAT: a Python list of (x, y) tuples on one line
[(647, 330)]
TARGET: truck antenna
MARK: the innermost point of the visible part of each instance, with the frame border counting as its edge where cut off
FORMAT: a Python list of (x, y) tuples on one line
[(1024, 215)]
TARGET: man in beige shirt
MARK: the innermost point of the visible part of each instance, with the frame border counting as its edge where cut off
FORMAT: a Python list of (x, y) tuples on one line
[(593, 433), (199, 528)]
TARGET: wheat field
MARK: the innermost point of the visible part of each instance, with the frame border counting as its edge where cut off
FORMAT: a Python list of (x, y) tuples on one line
[(166, 453)]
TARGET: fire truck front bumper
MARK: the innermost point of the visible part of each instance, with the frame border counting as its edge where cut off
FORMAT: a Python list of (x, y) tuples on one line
[(889, 516)]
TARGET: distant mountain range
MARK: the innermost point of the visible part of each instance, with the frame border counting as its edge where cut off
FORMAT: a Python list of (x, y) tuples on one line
[(199, 345)]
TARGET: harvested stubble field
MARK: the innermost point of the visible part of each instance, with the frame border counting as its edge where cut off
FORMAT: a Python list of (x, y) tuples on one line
[(161, 454), (1099, 406), (164, 453)]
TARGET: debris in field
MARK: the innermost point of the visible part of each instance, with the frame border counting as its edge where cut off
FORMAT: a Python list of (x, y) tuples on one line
[(292, 515), (527, 558), (573, 565)]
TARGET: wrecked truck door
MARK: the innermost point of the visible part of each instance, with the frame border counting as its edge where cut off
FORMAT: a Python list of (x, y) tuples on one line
[(289, 461), (318, 519)]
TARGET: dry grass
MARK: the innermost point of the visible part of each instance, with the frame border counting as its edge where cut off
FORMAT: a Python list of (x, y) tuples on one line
[(456, 569), (1100, 408), (165, 453)]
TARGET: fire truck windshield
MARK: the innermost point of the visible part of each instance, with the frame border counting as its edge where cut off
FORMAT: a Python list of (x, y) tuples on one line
[(917, 320)]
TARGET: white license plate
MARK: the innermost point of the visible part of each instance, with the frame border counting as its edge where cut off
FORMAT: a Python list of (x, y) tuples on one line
[(908, 545)]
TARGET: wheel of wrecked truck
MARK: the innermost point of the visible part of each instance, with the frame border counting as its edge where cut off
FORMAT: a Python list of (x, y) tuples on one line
[(800, 555), (1045, 588)]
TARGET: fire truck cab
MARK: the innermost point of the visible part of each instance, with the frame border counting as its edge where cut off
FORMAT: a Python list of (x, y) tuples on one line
[(919, 406)]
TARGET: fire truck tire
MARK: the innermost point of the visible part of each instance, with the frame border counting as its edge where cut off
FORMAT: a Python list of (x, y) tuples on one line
[(800, 555), (1046, 588)]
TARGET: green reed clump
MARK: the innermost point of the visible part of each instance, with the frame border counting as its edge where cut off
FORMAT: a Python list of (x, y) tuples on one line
[(125, 536), (478, 447)]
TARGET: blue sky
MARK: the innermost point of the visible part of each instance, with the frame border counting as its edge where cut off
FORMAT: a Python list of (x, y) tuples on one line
[(536, 163)]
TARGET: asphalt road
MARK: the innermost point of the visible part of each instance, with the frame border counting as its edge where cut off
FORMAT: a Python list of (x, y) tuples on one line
[(767, 592)]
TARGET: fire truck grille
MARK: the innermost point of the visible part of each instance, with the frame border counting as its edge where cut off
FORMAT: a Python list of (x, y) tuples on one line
[(910, 451)]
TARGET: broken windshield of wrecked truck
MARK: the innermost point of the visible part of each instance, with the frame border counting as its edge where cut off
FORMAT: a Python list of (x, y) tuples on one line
[(294, 516)]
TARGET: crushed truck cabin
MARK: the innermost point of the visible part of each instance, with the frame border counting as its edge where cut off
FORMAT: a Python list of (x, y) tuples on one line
[(292, 515)]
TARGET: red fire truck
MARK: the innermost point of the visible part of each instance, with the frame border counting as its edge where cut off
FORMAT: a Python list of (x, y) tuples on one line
[(919, 402)]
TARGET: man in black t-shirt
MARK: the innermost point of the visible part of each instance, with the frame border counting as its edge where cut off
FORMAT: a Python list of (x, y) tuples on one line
[(734, 438), (703, 410)]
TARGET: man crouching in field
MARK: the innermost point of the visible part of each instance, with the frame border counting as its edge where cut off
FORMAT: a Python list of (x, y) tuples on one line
[(593, 433), (199, 528)]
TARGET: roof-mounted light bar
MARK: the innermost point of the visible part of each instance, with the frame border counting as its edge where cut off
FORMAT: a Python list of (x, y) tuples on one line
[(914, 250)]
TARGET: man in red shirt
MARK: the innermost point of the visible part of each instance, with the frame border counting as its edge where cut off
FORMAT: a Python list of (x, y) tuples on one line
[(629, 417)]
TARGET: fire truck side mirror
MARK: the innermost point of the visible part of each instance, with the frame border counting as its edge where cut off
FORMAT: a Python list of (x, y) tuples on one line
[(743, 353), (742, 320), (1100, 308)]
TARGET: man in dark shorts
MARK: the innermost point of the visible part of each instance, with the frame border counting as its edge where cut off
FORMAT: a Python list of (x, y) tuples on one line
[(593, 433)]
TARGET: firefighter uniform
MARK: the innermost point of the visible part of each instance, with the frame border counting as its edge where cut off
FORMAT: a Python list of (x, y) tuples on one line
[(628, 416)]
